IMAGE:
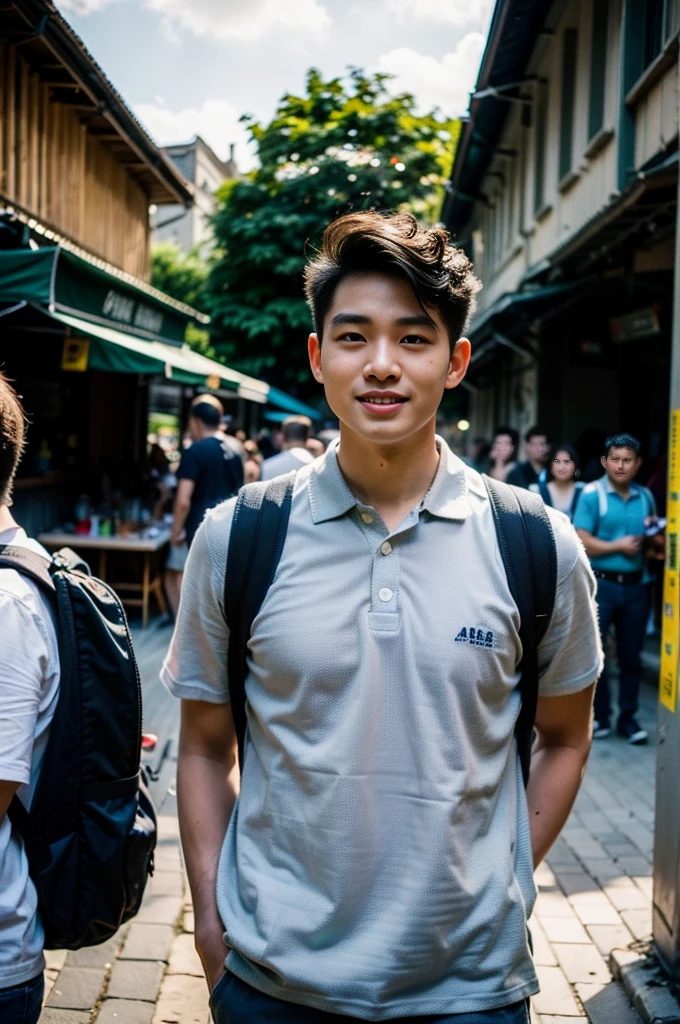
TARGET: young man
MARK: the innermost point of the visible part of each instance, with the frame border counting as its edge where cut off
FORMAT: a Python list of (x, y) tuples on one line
[(538, 446), (29, 686), (294, 453), (209, 471), (610, 519), (378, 863)]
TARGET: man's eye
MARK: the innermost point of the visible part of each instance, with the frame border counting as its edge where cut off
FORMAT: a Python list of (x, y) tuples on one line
[(416, 339), (351, 336)]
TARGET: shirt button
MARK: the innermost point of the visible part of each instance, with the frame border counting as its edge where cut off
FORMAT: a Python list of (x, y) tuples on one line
[(368, 519), (385, 594), (386, 548)]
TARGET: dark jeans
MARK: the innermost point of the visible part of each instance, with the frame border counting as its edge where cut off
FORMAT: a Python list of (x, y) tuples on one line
[(627, 607), (22, 1004), (234, 1002)]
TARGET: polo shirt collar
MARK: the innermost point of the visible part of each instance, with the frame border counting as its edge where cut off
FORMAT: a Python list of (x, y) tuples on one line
[(634, 490), (330, 497)]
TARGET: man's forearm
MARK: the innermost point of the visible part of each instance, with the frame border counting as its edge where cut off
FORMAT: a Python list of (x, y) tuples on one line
[(180, 515), (595, 547), (556, 773), (205, 800)]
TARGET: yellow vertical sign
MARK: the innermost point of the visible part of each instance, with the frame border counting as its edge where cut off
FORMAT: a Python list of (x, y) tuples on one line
[(670, 629)]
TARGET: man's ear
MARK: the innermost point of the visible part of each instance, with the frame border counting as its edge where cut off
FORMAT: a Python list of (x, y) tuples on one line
[(459, 363), (603, 460), (314, 350)]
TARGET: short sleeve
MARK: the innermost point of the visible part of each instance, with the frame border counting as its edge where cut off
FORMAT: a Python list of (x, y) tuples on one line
[(195, 667), (570, 654), (586, 514), (24, 664), (188, 465)]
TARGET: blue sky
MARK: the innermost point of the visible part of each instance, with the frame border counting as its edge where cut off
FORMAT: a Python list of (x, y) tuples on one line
[(188, 66)]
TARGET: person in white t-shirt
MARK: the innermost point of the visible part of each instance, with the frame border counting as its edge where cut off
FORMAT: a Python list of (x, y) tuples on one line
[(296, 431), (29, 687)]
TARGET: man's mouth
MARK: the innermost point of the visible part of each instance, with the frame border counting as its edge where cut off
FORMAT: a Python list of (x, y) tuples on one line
[(384, 401)]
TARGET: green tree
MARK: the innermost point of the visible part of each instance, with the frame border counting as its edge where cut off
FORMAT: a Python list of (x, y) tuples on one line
[(183, 276), (347, 144)]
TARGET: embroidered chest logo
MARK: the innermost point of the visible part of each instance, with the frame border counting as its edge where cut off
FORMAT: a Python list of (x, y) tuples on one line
[(476, 637)]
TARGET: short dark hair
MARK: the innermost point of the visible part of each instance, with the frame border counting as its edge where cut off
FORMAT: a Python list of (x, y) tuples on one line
[(536, 432), (297, 428), (511, 433), (440, 275), (12, 432), (207, 413), (622, 441)]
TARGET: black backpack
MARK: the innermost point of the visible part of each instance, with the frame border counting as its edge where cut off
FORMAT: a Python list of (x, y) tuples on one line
[(91, 829), (527, 547)]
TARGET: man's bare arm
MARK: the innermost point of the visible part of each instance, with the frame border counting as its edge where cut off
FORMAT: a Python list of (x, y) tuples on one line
[(558, 761), (7, 791), (595, 547), (207, 787), (185, 490)]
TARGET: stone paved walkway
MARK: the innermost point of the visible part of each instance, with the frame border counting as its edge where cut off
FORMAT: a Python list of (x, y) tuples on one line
[(595, 896)]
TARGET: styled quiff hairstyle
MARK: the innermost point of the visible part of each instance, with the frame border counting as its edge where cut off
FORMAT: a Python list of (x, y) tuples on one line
[(12, 430), (440, 275)]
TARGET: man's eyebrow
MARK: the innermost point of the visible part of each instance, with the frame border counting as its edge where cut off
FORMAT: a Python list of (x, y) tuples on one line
[(350, 318), (416, 320)]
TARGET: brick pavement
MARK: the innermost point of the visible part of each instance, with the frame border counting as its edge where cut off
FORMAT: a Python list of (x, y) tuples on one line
[(595, 893)]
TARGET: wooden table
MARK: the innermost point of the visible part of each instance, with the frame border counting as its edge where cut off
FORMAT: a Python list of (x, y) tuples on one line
[(148, 547)]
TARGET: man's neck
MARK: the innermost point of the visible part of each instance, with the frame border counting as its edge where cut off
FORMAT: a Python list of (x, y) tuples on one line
[(537, 467), (622, 489), (7, 520), (393, 479)]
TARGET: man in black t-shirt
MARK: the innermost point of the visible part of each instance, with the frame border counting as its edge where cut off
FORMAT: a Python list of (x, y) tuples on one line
[(538, 447), (210, 470)]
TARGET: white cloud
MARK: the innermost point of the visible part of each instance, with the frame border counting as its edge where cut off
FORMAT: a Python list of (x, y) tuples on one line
[(216, 121), (83, 6), (444, 83), (243, 19), (462, 13), (227, 19)]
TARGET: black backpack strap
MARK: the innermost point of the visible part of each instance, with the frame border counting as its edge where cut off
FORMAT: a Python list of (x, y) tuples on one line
[(527, 545), (28, 563), (258, 533)]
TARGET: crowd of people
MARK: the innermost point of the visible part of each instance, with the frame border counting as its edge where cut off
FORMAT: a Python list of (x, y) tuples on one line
[(618, 522)]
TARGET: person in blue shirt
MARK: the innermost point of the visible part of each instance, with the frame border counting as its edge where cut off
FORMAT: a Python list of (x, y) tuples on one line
[(558, 484), (612, 516)]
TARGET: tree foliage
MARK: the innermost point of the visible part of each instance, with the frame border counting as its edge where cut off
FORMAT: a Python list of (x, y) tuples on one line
[(183, 276), (347, 144)]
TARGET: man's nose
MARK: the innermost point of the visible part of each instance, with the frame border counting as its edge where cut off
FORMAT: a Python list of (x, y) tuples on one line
[(382, 363)]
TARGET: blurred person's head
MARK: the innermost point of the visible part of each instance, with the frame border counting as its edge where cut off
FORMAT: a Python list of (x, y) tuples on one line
[(12, 434), (622, 460), (390, 301), (205, 417), (316, 446), (563, 463), (296, 431), (504, 445), (538, 446)]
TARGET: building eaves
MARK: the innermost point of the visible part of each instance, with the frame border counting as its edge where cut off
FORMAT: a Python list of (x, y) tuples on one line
[(514, 31), (41, 29)]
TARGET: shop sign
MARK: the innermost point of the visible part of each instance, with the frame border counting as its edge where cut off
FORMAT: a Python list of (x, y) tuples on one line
[(126, 310), (670, 626), (643, 323), (75, 354)]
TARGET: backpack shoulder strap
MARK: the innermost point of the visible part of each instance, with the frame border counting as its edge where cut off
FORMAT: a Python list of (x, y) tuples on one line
[(258, 533), (28, 563), (527, 545)]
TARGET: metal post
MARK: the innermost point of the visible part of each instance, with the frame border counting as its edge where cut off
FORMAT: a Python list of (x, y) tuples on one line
[(666, 912)]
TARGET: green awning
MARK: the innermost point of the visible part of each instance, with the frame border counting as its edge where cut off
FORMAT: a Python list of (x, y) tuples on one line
[(111, 350), (291, 405)]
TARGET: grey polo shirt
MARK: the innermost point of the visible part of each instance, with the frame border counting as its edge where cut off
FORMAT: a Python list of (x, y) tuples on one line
[(378, 862)]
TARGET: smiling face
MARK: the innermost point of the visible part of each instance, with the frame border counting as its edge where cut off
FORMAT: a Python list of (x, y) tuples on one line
[(385, 361), (563, 467)]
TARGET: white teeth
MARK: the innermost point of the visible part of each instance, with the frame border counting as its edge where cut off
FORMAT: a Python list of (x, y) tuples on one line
[(381, 401)]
